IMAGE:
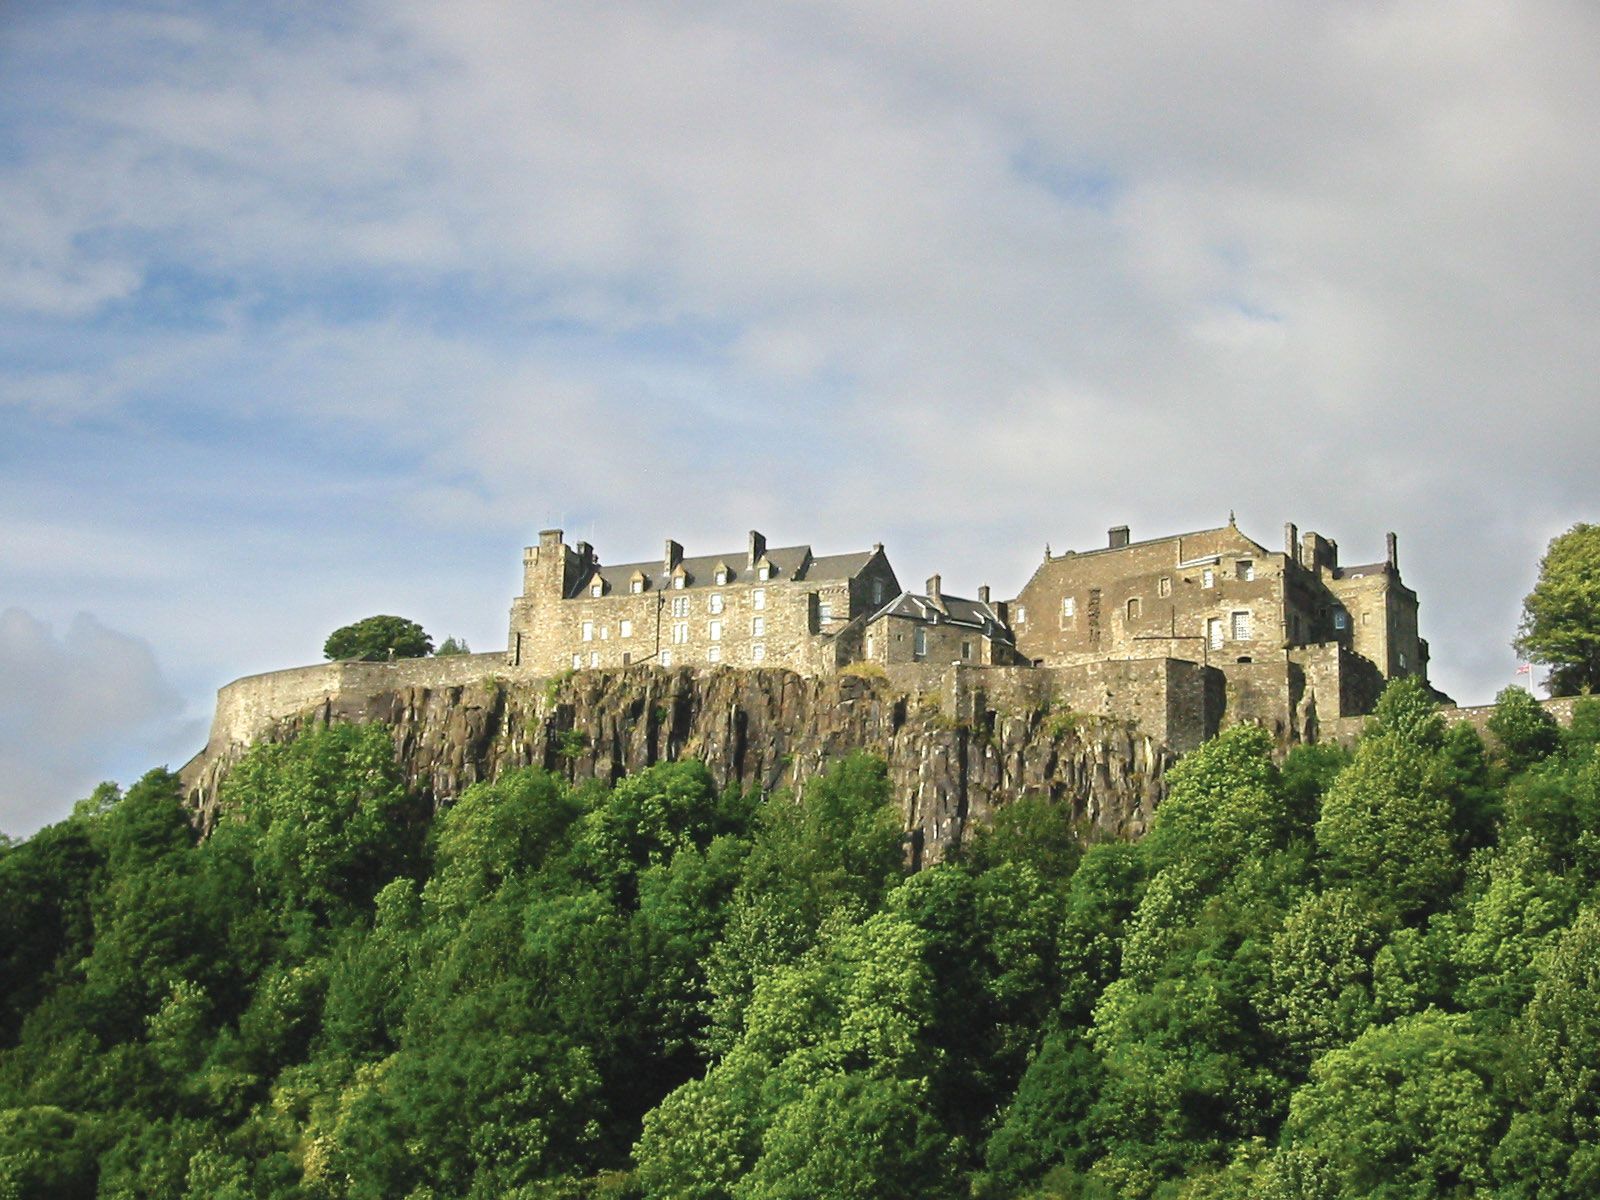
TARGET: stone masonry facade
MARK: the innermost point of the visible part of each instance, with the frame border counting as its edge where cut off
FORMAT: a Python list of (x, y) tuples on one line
[(1178, 636)]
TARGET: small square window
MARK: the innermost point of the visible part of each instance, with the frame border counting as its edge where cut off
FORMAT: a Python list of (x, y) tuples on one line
[(577, 661), (758, 652), (598, 589), (714, 605), (714, 653), (722, 579), (714, 631), (764, 574), (1245, 569), (1164, 586), (758, 626), (824, 612), (636, 586), (1241, 627), (1341, 620), (678, 581), (625, 629), (666, 658), (1208, 578)]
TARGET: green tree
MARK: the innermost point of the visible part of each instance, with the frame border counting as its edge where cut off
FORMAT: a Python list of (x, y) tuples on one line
[(375, 639), (1407, 1111), (452, 645), (1523, 730), (1561, 616)]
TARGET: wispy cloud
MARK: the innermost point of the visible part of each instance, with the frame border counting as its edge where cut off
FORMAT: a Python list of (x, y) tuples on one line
[(314, 299)]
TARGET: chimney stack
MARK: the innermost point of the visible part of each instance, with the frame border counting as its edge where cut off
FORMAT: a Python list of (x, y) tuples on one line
[(1117, 536), (671, 557), (1291, 541), (758, 547), (1394, 552), (983, 594), (933, 590)]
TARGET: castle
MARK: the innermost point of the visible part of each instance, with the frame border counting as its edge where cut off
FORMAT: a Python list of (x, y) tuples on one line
[(1223, 628), (1174, 637)]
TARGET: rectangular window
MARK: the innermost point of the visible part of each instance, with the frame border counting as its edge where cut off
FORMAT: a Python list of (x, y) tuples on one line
[(714, 630), (594, 658), (1164, 586), (824, 612), (680, 633), (758, 627), (677, 581), (577, 661), (764, 574), (1208, 578), (877, 591), (1241, 627), (920, 643), (870, 645), (625, 629), (605, 632), (758, 652), (1341, 620), (636, 586), (758, 599), (1214, 632), (1246, 570), (680, 606), (714, 654), (588, 631), (722, 579), (666, 658), (626, 659), (1135, 606), (966, 651), (1022, 614), (714, 605)]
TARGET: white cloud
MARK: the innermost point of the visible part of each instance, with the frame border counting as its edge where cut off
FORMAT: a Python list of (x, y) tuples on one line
[(854, 270), (75, 709)]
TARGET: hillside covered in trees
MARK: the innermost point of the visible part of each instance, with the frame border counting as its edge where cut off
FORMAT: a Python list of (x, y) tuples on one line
[(1358, 975)]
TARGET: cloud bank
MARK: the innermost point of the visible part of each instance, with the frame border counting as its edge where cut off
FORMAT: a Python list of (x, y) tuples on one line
[(318, 313)]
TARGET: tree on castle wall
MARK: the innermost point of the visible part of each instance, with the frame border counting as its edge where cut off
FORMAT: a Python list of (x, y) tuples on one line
[(375, 639), (1561, 616)]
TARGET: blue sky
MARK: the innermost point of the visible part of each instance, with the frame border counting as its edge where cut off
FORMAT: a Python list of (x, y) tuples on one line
[(310, 311)]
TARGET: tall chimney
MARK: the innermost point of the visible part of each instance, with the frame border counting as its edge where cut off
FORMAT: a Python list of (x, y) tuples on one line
[(983, 594), (1394, 552), (758, 547), (1291, 541), (933, 590), (1117, 536), (671, 557)]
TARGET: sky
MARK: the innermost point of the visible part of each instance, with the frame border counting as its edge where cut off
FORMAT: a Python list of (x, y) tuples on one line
[(309, 312)]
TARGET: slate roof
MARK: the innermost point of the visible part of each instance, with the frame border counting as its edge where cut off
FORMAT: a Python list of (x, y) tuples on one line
[(789, 563), (953, 610), (1198, 543)]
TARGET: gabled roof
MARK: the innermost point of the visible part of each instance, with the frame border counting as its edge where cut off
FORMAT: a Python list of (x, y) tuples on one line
[(1197, 544), (788, 563), (951, 610)]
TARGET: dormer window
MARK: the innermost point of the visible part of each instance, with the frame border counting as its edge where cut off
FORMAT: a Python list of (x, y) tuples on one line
[(763, 573), (597, 589), (637, 582), (637, 586), (722, 577), (677, 581)]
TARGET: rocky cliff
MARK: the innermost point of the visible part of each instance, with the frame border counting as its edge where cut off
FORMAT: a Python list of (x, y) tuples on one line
[(754, 728)]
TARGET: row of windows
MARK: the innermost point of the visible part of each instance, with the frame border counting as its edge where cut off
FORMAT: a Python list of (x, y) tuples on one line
[(589, 631), (1243, 569)]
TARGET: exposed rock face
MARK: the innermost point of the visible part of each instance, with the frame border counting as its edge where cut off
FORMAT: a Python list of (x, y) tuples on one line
[(767, 728)]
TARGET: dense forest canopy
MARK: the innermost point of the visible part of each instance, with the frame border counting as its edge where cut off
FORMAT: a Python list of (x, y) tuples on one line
[(1367, 974)]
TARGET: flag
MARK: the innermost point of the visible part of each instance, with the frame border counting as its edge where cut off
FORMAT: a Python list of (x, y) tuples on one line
[(1525, 669)]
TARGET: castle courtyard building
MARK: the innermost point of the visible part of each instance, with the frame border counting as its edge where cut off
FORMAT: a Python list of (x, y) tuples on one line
[(758, 607)]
